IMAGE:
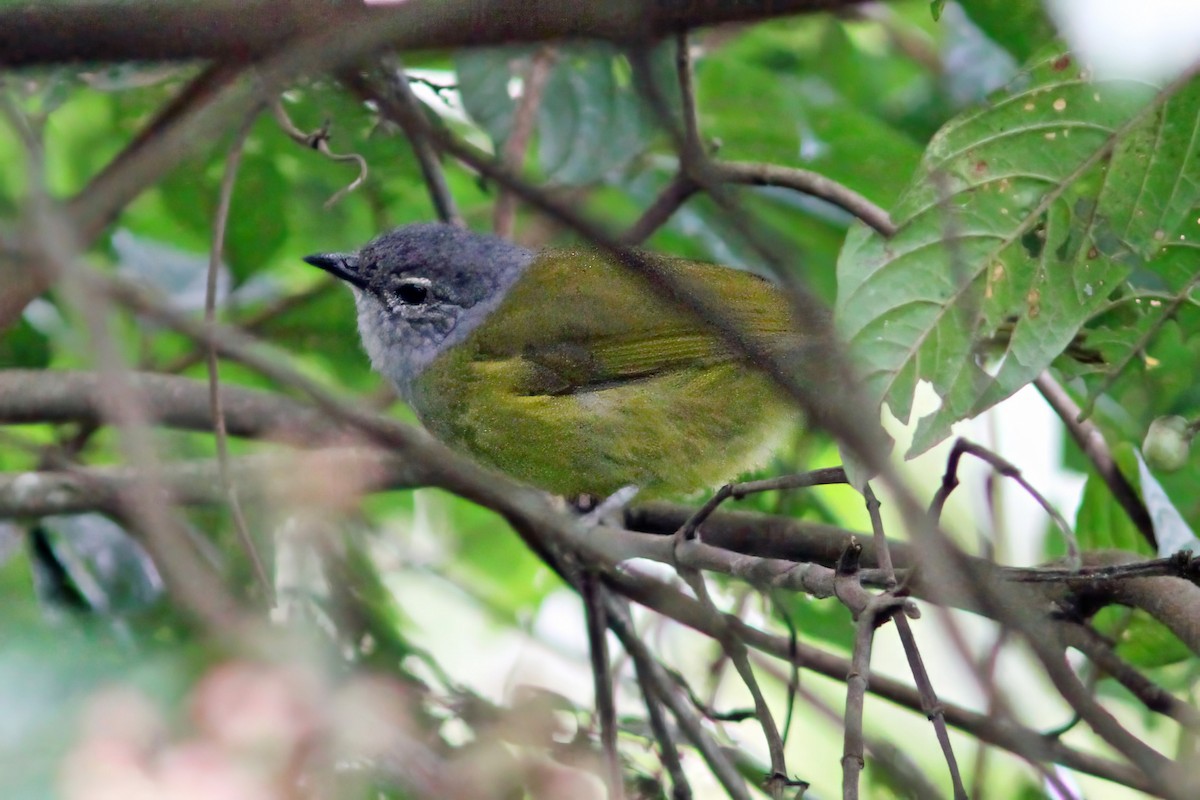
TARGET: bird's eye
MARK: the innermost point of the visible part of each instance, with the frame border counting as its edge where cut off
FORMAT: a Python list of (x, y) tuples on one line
[(412, 293)]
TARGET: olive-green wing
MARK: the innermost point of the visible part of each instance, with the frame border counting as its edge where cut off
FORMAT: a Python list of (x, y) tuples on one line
[(577, 322)]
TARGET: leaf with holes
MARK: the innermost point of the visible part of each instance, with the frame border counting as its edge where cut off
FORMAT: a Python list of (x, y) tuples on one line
[(1025, 219)]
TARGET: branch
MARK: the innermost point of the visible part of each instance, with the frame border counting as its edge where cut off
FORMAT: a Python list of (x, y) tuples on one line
[(37, 494), (1151, 695), (220, 222), (1107, 577), (524, 120), (54, 31), (410, 115), (1001, 733), (652, 674), (1091, 442), (61, 396)]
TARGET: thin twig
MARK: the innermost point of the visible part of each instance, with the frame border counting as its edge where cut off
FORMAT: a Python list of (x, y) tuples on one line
[(319, 140), (1091, 442), (669, 200), (412, 120), (986, 671), (681, 789), (592, 591), (856, 691), (221, 436), (929, 699), (819, 477), (1005, 733), (806, 182), (524, 121), (900, 766), (695, 162), (735, 649), (793, 681), (692, 148), (1006, 469), (1154, 697), (656, 677)]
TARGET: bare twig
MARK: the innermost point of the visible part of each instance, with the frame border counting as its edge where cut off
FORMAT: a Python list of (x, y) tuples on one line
[(899, 765), (221, 436), (681, 789), (319, 140), (735, 649), (691, 145), (1091, 442), (1003, 467), (1154, 697), (592, 591), (737, 491), (876, 611), (523, 122), (653, 675), (1000, 732), (697, 171), (856, 690), (669, 200), (929, 699), (411, 121)]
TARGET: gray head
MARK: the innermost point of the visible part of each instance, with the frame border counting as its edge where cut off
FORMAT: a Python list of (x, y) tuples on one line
[(421, 289)]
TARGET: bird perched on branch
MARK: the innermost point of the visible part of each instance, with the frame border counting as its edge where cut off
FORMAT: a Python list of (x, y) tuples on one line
[(568, 370)]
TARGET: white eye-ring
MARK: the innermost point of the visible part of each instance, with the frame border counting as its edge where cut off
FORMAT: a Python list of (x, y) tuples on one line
[(411, 291)]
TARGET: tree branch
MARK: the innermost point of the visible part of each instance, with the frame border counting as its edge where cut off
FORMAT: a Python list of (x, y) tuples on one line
[(54, 31), (61, 396)]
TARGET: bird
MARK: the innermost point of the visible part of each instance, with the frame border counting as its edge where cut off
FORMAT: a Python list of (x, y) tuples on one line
[(566, 370)]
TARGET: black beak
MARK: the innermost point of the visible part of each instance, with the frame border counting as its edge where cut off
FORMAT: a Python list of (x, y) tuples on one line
[(339, 265)]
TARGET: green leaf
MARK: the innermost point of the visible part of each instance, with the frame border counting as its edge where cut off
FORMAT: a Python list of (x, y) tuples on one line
[(25, 346), (1141, 640), (591, 121), (484, 75), (1020, 26), (257, 225), (189, 195), (815, 127), (1033, 210), (1101, 523)]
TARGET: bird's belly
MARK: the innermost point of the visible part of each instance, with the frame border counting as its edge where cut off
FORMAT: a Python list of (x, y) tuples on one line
[(678, 432)]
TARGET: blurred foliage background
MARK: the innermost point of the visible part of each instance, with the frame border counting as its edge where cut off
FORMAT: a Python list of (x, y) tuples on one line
[(420, 612)]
